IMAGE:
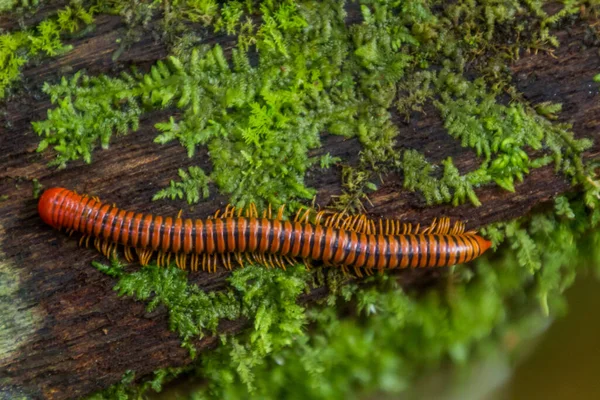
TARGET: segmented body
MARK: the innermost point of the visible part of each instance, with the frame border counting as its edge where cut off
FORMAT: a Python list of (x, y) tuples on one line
[(335, 239)]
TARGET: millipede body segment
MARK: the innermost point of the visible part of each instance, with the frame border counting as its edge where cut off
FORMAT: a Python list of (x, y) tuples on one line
[(345, 241)]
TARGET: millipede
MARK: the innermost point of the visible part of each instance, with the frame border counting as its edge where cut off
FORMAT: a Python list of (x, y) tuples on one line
[(335, 239)]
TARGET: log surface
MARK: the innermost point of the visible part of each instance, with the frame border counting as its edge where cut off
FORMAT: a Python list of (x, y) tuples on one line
[(80, 336)]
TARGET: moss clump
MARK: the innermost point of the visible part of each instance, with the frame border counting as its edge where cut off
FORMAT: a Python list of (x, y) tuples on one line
[(20, 319), (193, 185), (126, 389), (315, 74), (17, 323), (8, 5), (499, 132), (268, 298), (91, 109), (18, 47), (191, 310)]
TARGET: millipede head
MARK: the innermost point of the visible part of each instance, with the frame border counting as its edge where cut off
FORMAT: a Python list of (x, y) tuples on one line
[(48, 203)]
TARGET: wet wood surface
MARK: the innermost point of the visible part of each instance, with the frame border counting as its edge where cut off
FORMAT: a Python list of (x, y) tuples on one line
[(82, 337)]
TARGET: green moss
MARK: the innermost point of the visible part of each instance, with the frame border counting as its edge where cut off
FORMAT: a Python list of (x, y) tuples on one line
[(191, 311), (90, 111), (194, 184), (8, 5), (418, 174), (127, 389), (317, 74), (20, 319), (18, 47), (37, 188), (266, 298), (121, 391), (499, 133)]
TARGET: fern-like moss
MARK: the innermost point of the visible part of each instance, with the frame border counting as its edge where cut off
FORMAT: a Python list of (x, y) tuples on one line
[(266, 298), (193, 185), (8, 5), (18, 47), (89, 112), (260, 122)]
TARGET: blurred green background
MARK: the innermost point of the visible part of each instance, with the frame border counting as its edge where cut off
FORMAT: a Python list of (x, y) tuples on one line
[(562, 363), (565, 362)]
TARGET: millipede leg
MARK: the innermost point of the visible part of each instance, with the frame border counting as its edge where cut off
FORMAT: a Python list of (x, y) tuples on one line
[(280, 212), (297, 216), (348, 222), (128, 255), (253, 211), (319, 217), (143, 256), (281, 262), (290, 260), (339, 219), (307, 263), (105, 247), (226, 259), (112, 250), (271, 261), (181, 260), (239, 259), (261, 259), (358, 272), (305, 217)]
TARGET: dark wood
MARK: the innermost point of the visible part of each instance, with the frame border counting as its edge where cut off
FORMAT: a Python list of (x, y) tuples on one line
[(83, 337)]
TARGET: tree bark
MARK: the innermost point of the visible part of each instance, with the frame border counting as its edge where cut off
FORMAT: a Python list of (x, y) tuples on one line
[(80, 336)]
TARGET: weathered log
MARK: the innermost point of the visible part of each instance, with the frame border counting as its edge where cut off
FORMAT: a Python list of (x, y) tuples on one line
[(72, 335)]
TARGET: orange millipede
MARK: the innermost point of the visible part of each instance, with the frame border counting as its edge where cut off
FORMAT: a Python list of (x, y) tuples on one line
[(336, 239)]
